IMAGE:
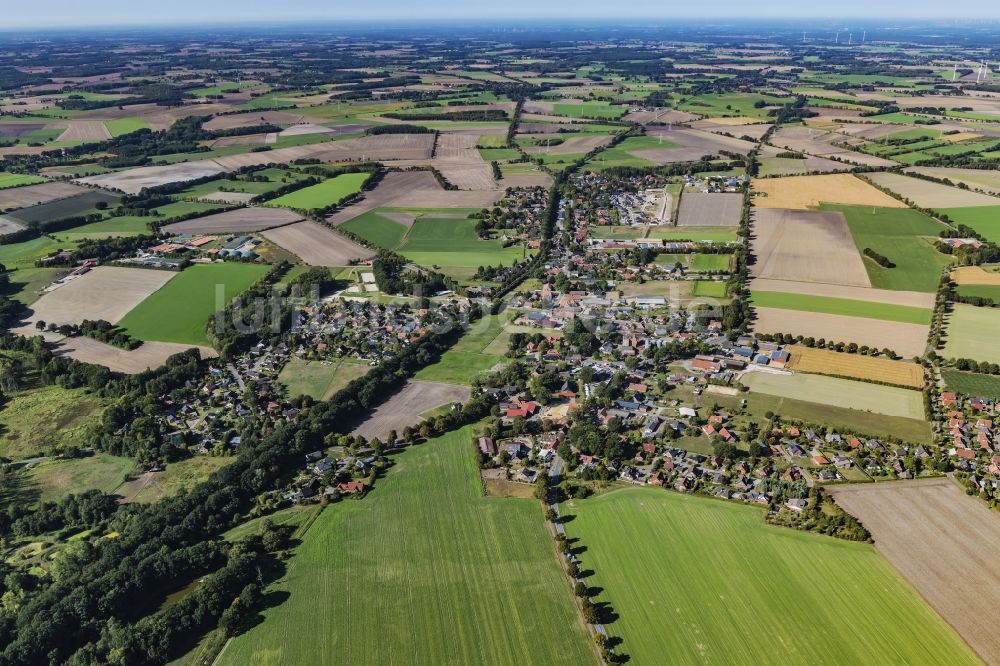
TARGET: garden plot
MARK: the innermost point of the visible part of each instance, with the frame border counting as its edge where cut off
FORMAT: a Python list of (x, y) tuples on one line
[(406, 405), (702, 209), (241, 219), (132, 181), (106, 292), (805, 246), (317, 245), (940, 541), (905, 339), (804, 192), (413, 189), (926, 194), (33, 195)]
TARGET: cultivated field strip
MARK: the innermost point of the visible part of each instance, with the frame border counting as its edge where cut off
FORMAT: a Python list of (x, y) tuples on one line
[(32, 195), (316, 245), (701, 209), (916, 299), (905, 339), (858, 366), (406, 405), (931, 195), (944, 543), (241, 219), (805, 192)]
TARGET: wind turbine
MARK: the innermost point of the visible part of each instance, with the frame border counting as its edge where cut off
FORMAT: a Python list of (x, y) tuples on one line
[(864, 36)]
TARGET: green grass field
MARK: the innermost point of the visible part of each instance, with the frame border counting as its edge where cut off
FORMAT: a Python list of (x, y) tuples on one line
[(28, 282), (971, 332), (710, 262), (320, 380), (991, 291), (703, 581), (454, 244), (25, 254), (179, 311), (730, 105), (600, 110), (862, 396), (323, 194), (499, 154), (8, 180), (906, 237), (39, 420), (111, 227), (178, 476), (120, 126), (841, 306), (377, 229), (971, 384), (55, 479), (468, 357), (984, 219), (620, 154), (424, 570)]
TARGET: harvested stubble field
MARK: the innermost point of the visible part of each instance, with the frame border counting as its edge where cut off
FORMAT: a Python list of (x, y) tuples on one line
[(940, 541), (820, 143), (132, 181), (926, 194), (971, 275), (407, 404), (32, 195), (805, 192), (426, 544), (694, 580), (701, 209), (915, 299), (805, 246), (316, 245), (150, 355), (858, 366), (106, 292), (84, 130), (241, 219), (413, 189), (971, 332), (907, 340), (862, 396)]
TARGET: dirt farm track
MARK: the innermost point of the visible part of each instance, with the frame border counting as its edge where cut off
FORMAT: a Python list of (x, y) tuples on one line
[(944, 543)]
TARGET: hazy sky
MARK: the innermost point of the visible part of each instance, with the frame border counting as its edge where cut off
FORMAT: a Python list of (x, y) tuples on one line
[(38, 13)]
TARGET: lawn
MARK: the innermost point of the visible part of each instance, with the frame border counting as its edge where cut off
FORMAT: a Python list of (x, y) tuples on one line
[(55, 479), (424, 570), (861, 396), (179, 311), (120, 126), (468, 357), (709, 289), (841, 306), (8, 180), (377, 229), (971, 384), (984, 219), (323, 194), (41, 420), (971, 333), (320, 380), (710, 262), (905, 237), (706, 581)]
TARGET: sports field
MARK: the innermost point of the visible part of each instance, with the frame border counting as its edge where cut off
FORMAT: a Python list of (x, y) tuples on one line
[(971, 332), (905, 237), (709, 289), (706, 581), (179, 311), (424, 570), (862, 396), (841, 306), (322, 194), (857, 366)]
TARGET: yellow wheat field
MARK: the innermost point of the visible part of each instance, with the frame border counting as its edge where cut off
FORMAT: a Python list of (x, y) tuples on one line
[(825, 362), (804, 192)]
